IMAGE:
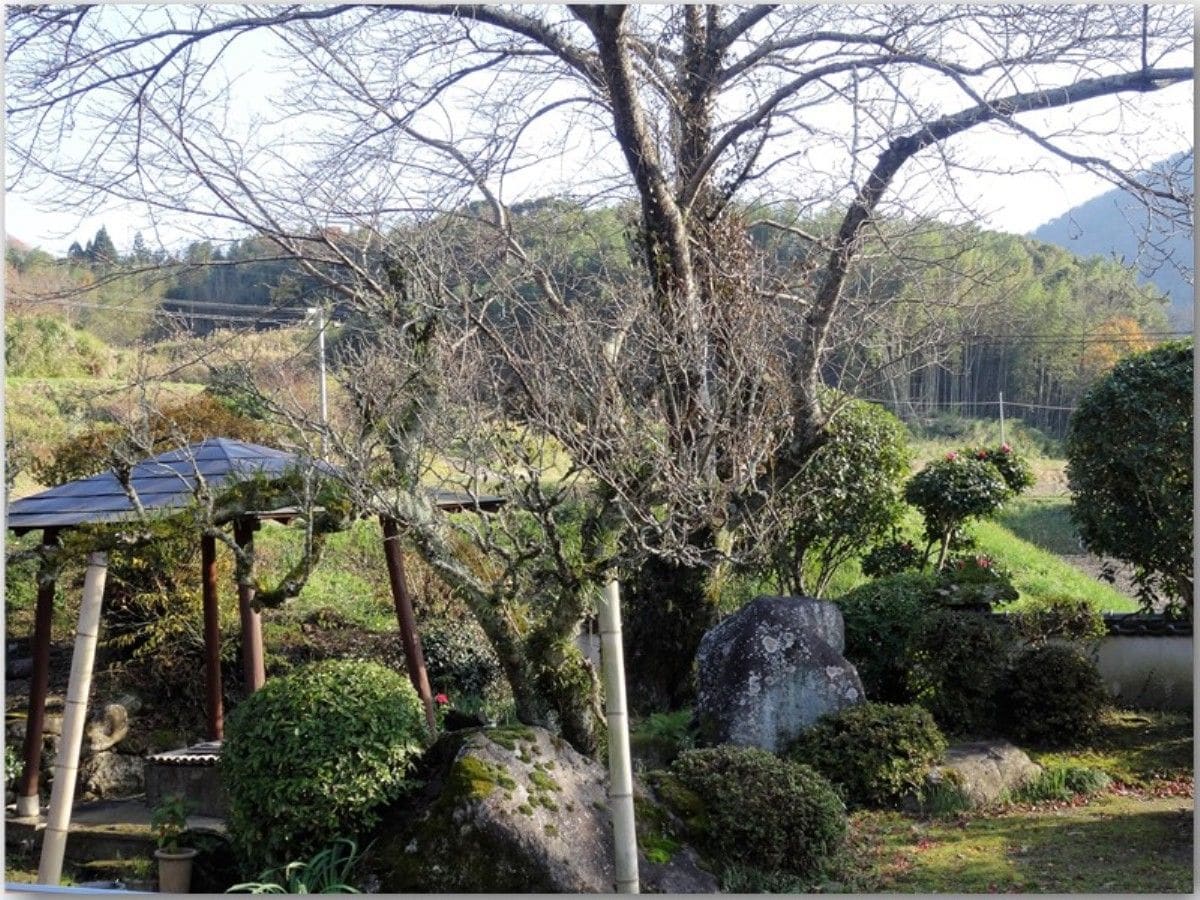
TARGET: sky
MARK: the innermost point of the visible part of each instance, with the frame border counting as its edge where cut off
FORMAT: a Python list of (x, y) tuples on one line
[(1016, 203)]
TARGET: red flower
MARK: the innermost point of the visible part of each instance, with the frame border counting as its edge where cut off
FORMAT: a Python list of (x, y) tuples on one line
[(441, 699), (982, 454), (1005, 448), (951, 456)]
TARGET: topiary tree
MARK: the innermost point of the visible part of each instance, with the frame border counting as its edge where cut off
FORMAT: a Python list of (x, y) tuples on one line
[(1129, 466), (877, 753), (881, 618), (314, 754), (1052, 695), (760, 810), (847, 497), (967, 484)]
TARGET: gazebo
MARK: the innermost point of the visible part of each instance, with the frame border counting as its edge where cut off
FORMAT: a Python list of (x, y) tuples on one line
[(164, 485)]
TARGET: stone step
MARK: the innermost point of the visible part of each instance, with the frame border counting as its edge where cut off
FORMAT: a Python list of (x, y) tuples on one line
[(101, 830)]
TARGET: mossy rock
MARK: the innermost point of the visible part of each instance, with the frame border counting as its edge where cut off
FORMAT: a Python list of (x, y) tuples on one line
[(491, 821)]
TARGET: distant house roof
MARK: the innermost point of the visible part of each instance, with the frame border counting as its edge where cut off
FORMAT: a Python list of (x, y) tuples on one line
[(168, 481)]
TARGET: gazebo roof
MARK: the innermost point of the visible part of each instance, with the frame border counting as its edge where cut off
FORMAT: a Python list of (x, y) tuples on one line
[(164, 482), (168, 482)]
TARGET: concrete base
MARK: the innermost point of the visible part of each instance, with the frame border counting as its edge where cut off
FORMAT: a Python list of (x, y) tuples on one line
[(28, 806)]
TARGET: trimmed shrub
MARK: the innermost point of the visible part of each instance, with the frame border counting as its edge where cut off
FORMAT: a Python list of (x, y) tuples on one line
[(1129, 464), (1064, 618), (312, 755), (1051, 695), (460, 660), (892, 558), (876, 753), (957, 662), (847, 496), (762, 811), (880, 619)]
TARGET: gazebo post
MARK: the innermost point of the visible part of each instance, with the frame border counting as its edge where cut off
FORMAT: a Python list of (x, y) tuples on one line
[(413, 656), (252, 641), (212, 637), (28, 803)]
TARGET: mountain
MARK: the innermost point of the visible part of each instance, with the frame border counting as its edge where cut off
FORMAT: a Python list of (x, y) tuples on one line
[(1114, 225)]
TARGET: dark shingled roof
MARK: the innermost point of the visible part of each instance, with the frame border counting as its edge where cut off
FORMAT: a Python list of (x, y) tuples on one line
[(167, 482)]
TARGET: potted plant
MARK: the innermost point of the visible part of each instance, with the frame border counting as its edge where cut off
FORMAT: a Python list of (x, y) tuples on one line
[(169, 822)]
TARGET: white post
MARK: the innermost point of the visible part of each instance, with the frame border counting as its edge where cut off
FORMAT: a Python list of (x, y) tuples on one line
[(320, 312), (620, 769), (1002, 440), (66, 767)]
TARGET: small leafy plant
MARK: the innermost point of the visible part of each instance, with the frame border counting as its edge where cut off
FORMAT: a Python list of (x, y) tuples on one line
[(327, 872), (168, 821)]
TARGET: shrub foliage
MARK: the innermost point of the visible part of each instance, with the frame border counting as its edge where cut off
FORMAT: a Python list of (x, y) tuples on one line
[(880, 620), (956, 664), (763, 811), (312, 755), (1129, 464), (875, 752), (1051, 695)]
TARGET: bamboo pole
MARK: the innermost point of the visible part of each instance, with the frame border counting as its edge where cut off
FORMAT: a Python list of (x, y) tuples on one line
[(414, 657), (66, 767), (28, 802), (620, 787)]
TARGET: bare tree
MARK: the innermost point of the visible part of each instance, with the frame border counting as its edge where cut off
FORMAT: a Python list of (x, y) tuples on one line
[(690, 391)]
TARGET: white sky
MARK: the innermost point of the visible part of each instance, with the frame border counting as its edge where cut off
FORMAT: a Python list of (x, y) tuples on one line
[(1015, 203)]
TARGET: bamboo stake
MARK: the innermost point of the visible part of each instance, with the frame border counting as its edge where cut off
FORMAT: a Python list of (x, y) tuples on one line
[(620, 788), (66, 767)]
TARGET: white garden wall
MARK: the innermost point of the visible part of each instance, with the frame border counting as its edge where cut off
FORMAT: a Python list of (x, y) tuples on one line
[(1147, 672)]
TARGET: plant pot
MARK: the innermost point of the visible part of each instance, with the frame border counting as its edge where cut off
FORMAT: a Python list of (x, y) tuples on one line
[(175, 870)]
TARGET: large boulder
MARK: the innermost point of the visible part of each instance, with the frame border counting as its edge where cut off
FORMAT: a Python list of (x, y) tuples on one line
[(981, 773), (769, 671), (111, 776), (511, 810)]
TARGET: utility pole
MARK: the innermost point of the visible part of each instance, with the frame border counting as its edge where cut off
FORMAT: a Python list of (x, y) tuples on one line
[(319, 311)]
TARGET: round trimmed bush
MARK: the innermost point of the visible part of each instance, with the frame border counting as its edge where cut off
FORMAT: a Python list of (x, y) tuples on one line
[(312, 755), (957, 662), (762, 811), (875, 752), (1051, 695), (880, 620)]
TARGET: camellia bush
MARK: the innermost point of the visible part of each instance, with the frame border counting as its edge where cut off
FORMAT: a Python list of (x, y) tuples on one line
[(848, 496), (1129, 465), (969, 484), (312, 756)]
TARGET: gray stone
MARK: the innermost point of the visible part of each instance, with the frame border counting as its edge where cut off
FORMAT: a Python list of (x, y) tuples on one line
[(984, 771), (201, 786), (769, 671), (518, 811), (110, 776), (109, 730)]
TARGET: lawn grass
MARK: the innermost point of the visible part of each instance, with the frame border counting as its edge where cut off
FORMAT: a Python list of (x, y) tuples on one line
[(1037, 573), (1114, 844), (1134, 748), (1044, 522), (1137, 838)]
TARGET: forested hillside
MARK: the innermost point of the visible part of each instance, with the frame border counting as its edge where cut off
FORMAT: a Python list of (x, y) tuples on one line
[(947, 318), (1113, 225)]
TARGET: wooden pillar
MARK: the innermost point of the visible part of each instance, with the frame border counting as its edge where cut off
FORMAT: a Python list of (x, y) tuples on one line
[(413, 657), (212, 637), (252, 642), (39, 684)]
